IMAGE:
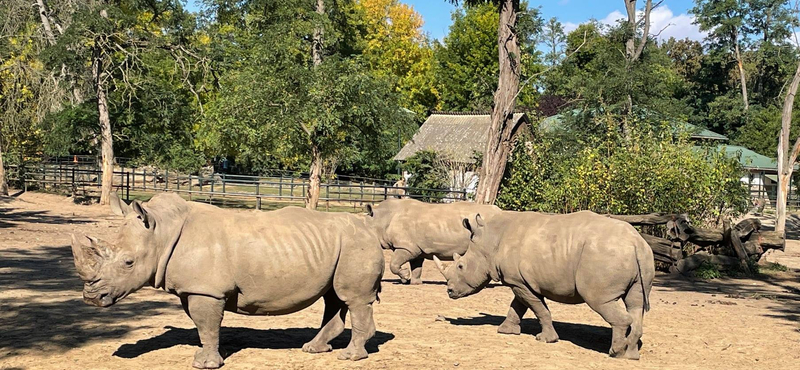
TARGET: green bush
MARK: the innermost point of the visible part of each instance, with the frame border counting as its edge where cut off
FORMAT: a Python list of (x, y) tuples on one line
[(707, 270), (647, 170), (428, 176)]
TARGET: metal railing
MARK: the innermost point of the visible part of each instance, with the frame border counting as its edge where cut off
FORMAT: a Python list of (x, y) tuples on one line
[(232, 190)]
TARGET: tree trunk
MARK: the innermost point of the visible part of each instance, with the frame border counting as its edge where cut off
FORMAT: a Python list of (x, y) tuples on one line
[(316, 44), (106, 139), (742, 77), (48, 29), (499, 138), (786, 159), (3, 183), (314, 178)]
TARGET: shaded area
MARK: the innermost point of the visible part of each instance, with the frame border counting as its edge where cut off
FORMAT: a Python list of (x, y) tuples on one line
[(591, 337), (10, 217), (782, 291), (45, 311), (792, 225), (235, 339)]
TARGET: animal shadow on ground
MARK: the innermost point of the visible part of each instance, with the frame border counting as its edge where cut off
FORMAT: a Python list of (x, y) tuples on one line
[(235, 339), (591, 337), (10, 217), (48, 319)]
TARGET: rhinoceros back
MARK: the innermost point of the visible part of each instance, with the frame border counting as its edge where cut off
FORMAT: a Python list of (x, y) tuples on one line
[(266, 263)]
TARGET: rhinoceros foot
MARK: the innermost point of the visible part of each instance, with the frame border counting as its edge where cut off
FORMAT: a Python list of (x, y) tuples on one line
[(352, 355), (312, 347), (207, 360), (547, 337), (509, 328)]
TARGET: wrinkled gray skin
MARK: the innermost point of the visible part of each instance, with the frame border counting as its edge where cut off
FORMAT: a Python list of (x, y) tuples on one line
[(253, 263), (415, 231), (574, 258)]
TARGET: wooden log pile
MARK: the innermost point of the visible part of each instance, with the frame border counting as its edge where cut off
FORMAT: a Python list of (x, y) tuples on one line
[(684, 247)]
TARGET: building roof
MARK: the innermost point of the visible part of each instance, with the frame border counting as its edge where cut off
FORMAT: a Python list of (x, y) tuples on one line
[(697, 133), (749, 159), (457, 135)]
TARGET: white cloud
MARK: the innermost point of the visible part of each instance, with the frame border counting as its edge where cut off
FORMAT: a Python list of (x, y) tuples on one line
[(569, 27), (664, 23)]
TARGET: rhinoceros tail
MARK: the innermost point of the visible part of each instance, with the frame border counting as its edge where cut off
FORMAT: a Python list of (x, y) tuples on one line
[(640, 261)]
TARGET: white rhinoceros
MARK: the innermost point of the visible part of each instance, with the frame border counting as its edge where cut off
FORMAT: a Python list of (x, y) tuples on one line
[(253, 263), (416, 230), (573, 258)]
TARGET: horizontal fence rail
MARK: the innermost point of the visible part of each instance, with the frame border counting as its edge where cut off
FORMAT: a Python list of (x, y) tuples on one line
[(230, 190)]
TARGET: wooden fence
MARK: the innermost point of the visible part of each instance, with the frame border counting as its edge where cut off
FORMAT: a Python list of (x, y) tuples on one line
[(232, 190)]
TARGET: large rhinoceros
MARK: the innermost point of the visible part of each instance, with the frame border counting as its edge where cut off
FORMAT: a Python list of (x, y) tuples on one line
[(415, 230), (573, 258), (253, 263)]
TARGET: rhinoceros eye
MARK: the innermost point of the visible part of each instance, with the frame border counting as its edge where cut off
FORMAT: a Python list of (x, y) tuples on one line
[(129, 262)]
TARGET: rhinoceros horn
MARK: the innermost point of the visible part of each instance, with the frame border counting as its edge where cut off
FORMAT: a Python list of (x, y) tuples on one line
[(87, 257), (439, 266)]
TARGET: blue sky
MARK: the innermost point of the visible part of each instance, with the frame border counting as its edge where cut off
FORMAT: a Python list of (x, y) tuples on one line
[(672, 16)]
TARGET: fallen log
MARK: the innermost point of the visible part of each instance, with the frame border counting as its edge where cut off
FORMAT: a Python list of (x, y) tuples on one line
[(648, 219), (664, 250)]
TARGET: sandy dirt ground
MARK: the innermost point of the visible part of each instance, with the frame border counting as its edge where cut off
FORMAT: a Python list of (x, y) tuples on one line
[(724, 323)]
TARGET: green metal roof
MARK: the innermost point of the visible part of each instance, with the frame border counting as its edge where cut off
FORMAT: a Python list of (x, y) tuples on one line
[(749, 159), (697, 133)]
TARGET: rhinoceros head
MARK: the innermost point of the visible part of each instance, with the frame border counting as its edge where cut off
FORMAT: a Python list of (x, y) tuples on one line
[(470, 273), (112, 270)]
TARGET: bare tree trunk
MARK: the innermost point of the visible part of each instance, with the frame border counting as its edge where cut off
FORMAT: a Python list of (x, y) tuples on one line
[(106, 139), (786, 159), (633, 51), (48, 29), (742, 77), (3, 183), (315, 172), (316, 45), (314, 178), (498, 143)]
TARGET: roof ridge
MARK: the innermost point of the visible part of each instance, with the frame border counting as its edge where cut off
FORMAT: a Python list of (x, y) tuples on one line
[(466, 113)]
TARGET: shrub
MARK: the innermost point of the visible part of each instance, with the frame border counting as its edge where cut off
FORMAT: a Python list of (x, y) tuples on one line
[(428, 176), (648, 170)]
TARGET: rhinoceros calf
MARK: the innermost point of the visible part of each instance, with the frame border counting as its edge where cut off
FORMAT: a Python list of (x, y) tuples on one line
[(253, 263), (415, 230), (574, 258)]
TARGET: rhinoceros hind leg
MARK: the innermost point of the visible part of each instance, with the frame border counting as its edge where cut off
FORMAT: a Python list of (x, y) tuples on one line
[(363, 330), (511, 325), (539, 307), (620, 322), (635, 306), (206, 312), (332, 324), (416, 270)]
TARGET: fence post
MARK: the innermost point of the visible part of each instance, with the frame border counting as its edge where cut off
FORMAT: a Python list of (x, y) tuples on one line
[(385, 192), (190, 187), (258, 194), (128, 187), (166, 179), (280, 185), (74, 186)]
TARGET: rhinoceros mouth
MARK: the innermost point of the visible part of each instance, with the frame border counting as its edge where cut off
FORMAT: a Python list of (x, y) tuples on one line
[(100, 300)]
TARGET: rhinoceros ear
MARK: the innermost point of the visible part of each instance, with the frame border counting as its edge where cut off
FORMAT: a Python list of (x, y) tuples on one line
[(119, 207), (146, 217), (466, 224), (456, 257), (369, 211), (479, 220)]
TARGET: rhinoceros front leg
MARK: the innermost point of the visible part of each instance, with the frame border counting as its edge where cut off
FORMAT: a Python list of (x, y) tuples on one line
[(399, 258), (206, 312), (363, 330), (332, 324), (511, 325), (537, 305), (416, 270)]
